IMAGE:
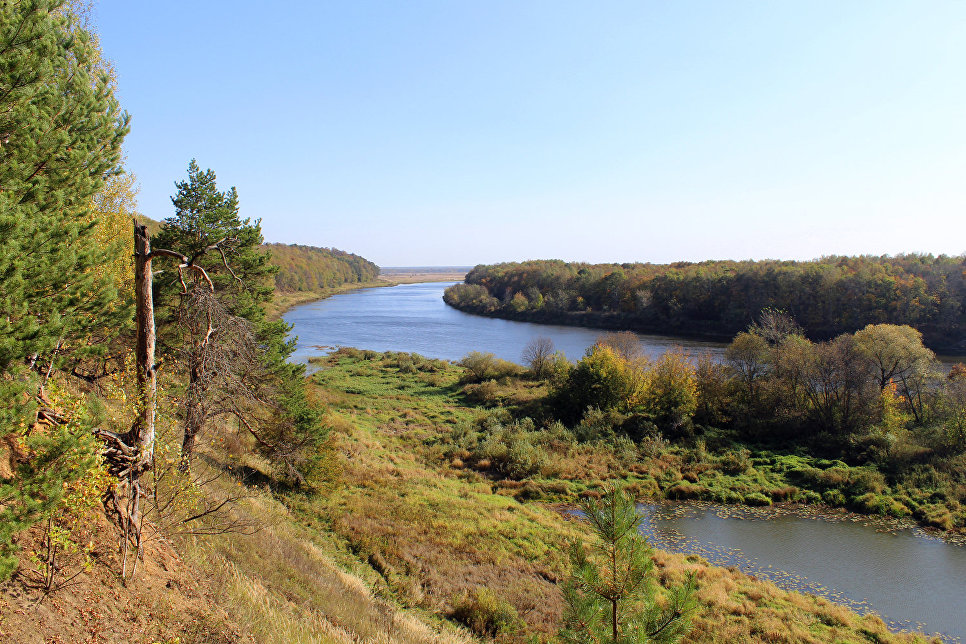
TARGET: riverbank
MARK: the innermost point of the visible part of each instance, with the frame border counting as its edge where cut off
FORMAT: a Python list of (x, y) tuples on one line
[(420, 274), (592, 320), (285, 300), (436, 522)]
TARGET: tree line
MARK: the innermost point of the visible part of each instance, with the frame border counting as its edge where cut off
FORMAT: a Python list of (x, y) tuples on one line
[(827, 297), (876, 398), (308, 268)]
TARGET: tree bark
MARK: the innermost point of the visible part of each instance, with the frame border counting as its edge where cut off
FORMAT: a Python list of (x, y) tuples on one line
[(142, 434)]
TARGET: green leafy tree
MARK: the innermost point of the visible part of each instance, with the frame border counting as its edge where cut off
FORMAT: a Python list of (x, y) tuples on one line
[(610, 596), (897, 355), (602, 379), (60, 137), (671, 395)]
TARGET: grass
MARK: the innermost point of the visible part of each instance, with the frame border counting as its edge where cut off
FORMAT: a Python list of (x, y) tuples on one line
[(283, 584), (420, 535), (427, 524)]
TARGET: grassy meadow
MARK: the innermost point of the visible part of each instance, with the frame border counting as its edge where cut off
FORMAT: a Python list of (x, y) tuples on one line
[(431, 511)]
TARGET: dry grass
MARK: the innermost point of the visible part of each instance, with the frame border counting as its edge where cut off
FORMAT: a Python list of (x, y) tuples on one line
[(429, 531), (280, 586)]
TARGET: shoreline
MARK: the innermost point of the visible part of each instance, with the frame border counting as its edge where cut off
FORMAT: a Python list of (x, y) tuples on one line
[(284, 301), (606, 322)]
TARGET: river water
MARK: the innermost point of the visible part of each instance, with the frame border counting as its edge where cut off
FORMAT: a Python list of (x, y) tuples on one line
[(911, 579), (414, 318)]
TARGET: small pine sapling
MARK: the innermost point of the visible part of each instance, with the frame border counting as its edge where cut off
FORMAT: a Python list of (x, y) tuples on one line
[(610, 597)]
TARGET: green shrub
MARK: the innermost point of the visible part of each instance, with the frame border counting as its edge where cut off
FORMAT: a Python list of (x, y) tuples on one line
[(597, 424), (806, 476), (733, 463), (478, 365), (757, 498), (512, 454), (405, 363), (833, 497), (834, 477), (483, 393), (936, 516), (865, 480), (870, 503), (808, 496), (486, 614), (347, 352)]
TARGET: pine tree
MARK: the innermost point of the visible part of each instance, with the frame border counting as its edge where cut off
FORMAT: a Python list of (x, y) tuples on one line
[(609, 596), (60, 136), (237, 367)]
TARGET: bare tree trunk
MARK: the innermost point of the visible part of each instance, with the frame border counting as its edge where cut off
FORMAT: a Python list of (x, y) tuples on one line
[(142, 434), (131, 454)]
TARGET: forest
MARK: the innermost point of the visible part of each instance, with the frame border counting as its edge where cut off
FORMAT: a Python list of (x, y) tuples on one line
[(307, 268), (875, 401), (828, 296), (123, 344)]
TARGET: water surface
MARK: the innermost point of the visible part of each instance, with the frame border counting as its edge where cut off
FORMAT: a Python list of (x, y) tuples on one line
[(414, 318), (911, 579)]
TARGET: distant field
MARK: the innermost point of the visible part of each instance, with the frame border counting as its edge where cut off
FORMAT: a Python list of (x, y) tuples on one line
[(414, 274)]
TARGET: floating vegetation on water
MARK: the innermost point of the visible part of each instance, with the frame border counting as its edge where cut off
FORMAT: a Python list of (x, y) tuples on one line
[(673, 540)]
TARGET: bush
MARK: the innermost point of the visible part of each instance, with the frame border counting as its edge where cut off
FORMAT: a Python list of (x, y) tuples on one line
[(671, 395), (512, 453), (734, 463), (486, 366), (602, 379), (406, 363), (866, 480), (598, 424), (809, 496), (483, 393), (486, 614), (833, 497), (683, 490), (347, 352), (757, 498), (478, 365)]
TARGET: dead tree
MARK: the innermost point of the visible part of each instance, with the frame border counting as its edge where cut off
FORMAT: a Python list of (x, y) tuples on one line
[(131, 454), (222, 360)]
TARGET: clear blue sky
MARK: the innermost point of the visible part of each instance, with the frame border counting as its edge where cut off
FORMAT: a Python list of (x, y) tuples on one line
[(456, 132)]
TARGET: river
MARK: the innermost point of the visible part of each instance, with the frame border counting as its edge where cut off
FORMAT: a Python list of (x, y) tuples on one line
[(909, 578), (414, 318)]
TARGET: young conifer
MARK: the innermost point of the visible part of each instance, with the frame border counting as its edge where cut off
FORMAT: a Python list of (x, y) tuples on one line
[(610, 597)]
